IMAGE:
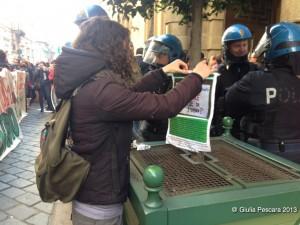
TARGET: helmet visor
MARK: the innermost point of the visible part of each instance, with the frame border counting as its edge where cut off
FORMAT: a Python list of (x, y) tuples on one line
[(262, 46), (154, 51)]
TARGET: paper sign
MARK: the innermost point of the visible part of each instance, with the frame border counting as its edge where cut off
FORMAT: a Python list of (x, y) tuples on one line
[(191, 127)]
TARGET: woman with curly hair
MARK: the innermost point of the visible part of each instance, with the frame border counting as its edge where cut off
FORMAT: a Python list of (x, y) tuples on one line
[(104, 108)]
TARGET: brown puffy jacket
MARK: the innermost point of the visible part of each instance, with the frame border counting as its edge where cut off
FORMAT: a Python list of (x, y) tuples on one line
[(101, 122)]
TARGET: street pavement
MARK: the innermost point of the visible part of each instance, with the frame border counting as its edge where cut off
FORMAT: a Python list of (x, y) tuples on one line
[(20, 203)]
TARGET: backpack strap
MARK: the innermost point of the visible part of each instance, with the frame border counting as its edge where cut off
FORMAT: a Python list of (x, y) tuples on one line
[(92, 78), (75, 92), (114, 151), (115, 170)]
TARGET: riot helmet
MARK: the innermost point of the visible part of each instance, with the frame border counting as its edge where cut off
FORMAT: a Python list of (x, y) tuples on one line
[(280, 45), (147, 43), (235, 35), (278, 40), (166, 47), (88, 12)]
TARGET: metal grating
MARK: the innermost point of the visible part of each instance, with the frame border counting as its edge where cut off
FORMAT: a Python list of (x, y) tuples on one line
[(247, 167), (181, 177)]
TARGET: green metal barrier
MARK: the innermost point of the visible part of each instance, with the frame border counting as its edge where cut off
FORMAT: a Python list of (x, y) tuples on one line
[(242, 185)]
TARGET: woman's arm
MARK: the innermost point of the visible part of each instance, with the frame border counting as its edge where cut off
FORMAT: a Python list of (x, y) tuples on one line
[(157, 79)]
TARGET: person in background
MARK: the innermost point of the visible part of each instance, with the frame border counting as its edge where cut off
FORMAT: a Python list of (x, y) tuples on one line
[(86, 12), (139, 55), (51, 71), (90, 11), (215, 62), (235, 49), (106, 105), (144, 67), (269, 101), (3, 60), (43, 85), (28, 68), (31, 86)]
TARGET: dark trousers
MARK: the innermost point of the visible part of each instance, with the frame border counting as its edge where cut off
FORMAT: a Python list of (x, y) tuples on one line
[(290, 150), (32, 95), (44, 93)]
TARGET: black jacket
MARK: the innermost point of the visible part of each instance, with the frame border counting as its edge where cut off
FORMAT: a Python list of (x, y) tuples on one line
[(102, 114), (41, 77), (228, 76), (271, 100)]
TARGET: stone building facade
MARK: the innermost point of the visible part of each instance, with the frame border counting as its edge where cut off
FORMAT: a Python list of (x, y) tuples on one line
[(264, 13)]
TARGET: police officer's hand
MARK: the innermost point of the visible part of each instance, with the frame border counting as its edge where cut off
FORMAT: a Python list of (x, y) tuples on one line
[(202, 69), (177, 66)]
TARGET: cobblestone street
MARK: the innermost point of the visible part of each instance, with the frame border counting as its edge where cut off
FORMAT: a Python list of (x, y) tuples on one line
[(20, 203)]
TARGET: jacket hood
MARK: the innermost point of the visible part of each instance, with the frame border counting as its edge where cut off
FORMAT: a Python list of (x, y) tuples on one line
[(73, 67)]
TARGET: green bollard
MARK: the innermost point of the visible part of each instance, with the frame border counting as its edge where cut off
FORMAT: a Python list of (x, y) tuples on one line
[(227, 125), (153, 179)]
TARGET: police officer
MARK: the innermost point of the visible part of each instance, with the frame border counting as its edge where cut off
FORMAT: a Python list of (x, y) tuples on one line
[(161, 51), (84, 14), (88, 12), (235, 49), (270, 100), (145, 67)]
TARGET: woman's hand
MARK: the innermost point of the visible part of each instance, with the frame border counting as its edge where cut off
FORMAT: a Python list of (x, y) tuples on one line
[(202, 69), (177, 66)]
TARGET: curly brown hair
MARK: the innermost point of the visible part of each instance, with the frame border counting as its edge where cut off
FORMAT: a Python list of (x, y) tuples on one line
[(110, 39)]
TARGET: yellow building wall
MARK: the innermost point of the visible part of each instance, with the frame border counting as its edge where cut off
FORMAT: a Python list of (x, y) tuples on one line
[(213, 27), (137, 30), (168, 23), (290, 11), (212, 30)]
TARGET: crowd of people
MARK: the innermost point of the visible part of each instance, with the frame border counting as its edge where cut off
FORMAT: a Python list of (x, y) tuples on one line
[(39, 79), (263, 99)]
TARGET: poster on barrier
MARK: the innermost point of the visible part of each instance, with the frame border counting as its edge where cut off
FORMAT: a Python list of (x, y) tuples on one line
[(20, 106), (10, 132), (190, 129), (6, 90)]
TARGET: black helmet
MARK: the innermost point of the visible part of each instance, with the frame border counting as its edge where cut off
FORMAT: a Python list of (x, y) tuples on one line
[(88, 12)]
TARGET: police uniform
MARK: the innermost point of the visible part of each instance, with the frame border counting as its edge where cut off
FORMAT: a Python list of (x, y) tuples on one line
[(155, 130), (226, 79), (233, 69), (270, 101)]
